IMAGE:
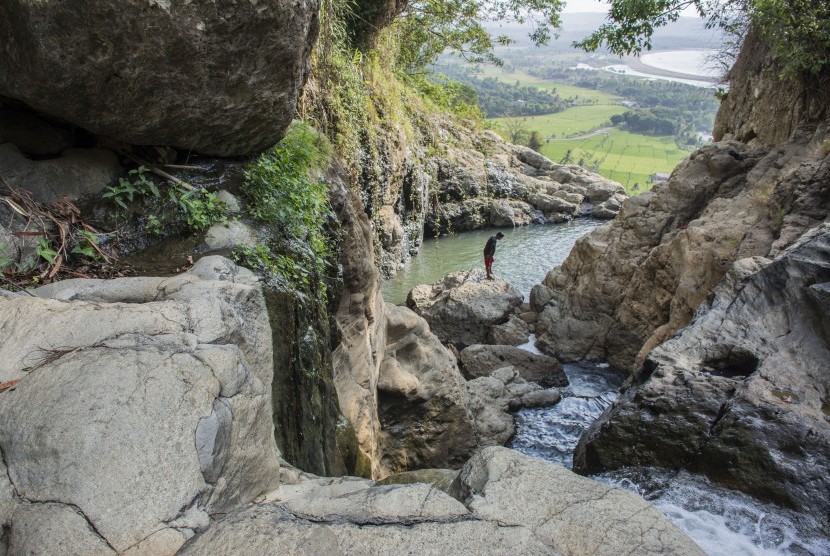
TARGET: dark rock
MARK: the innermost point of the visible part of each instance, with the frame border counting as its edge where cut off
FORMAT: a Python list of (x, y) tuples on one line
[(217, 77), (740, 394)]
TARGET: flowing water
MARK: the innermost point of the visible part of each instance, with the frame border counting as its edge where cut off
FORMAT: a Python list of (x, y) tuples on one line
[(721, 521)]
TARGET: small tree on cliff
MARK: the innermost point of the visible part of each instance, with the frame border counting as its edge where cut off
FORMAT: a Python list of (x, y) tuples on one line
[(534, 142)]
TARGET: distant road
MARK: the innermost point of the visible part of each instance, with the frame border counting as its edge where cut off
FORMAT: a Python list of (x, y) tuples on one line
[(585, 135)]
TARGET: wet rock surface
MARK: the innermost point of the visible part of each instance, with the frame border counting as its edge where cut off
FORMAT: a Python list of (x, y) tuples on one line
[(741, 394)]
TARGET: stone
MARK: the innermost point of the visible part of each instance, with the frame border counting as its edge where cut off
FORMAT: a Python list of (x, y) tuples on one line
[(31, 134), (463, 306), (514, 332), (424, 417), (438, 478), (540, 398), (361, 328), (51, 528), (273, 530), (512, 503), (630, 285), (738, 395), (572, 514), (490, 399), (379, 504), (218, 78), (143, 403), (227, 235), (77, 173), (481, 360)]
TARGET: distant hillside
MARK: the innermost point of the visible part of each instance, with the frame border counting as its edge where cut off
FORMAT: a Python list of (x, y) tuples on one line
[(687, 32)]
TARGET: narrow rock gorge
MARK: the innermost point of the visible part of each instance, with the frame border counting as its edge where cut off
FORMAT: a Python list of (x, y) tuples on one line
[(240, 384)]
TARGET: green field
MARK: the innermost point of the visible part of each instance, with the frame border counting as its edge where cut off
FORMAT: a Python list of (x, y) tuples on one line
[(623, 156), (570, 122), (565, 91)]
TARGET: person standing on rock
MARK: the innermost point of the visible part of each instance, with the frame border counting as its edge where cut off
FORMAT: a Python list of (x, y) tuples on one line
[(489, 253)]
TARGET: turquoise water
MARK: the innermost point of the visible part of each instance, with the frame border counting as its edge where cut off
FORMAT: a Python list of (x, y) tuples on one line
[(523, 257)]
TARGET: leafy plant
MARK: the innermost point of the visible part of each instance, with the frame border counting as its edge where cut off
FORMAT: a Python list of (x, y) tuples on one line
[(283, 194), (197, 209)]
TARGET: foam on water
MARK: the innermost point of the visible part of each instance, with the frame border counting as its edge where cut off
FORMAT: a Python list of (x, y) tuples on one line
[(722, 521)]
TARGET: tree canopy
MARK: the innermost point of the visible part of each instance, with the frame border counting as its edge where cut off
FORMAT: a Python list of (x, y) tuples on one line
[(428, 27), (797, 30)]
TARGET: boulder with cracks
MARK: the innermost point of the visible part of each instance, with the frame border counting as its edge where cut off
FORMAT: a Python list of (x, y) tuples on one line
[(142, 407)]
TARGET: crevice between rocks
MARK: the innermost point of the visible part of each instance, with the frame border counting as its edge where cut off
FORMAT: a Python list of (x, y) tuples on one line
[(80, 512)]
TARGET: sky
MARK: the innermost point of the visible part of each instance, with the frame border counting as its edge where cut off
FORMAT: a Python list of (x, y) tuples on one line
[(574, 6)]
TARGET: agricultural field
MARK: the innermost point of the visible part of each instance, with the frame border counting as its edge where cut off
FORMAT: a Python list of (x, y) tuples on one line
[(581, 94), (573, 121), (622, 156), (586, 131)]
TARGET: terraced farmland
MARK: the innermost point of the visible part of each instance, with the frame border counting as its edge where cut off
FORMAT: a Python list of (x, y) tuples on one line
[(622, 156)]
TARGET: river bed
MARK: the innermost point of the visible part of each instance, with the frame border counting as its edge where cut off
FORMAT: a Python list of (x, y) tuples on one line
[(721, 521)]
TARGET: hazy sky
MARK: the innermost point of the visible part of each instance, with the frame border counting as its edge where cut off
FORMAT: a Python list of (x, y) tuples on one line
[(585, 6), (573, 6)]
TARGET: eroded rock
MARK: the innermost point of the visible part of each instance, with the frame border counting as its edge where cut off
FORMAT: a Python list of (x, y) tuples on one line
[(143, 404), (741, 393), (463, 306)]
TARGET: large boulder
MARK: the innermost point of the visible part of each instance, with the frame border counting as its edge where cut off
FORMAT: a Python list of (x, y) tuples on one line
[(481, 360), (741, 394), (463, 306), (634, 283), (143, 406), (217, 77), (505, 503), (421, 398), (573, 515)]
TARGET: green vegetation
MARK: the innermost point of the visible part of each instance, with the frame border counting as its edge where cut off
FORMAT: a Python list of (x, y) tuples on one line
[(179, 208), (798, 30), (571, 122), (620, 155), (284, 195)]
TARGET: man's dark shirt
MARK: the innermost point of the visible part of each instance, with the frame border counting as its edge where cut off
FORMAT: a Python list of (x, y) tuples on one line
[(490, 248)]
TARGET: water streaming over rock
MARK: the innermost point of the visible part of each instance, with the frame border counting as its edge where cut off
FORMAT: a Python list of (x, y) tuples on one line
[(721, 521)]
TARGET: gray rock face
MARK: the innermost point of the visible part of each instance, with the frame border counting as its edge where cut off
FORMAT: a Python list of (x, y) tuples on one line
[(463, 306), (490, 399), (632, 284), (143, 405), (514, 332), (511, 504), (216, 77), (482, 360), (740, 394), (421, 398), (75, 174), (573, 515)]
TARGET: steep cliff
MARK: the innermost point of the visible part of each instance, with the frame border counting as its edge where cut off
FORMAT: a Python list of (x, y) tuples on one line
[(710, 291), (637, 281)]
